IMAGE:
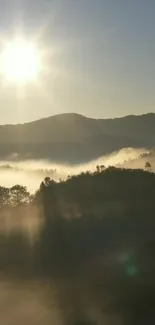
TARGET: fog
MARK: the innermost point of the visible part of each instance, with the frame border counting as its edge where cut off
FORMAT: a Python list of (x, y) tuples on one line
[(34, 303), (41, 302), (26, 304), (30, 173)]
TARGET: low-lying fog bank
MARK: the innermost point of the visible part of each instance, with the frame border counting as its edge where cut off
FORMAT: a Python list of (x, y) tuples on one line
[(30, 173)]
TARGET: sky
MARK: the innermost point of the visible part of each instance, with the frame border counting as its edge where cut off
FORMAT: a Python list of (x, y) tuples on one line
[(101, 61)]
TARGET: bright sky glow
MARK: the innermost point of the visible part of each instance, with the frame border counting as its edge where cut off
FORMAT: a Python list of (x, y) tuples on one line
[(96, 57), (20, 62)]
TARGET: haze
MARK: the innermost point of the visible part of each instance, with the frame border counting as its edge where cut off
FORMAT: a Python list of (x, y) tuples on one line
[(101, 60), (31, 173), (77, 250)]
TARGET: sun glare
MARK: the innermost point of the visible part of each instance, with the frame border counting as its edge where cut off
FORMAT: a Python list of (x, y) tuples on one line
[(20, 62)]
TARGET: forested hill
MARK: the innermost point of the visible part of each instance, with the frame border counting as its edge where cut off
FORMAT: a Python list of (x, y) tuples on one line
[(103, 193), (75, 138), (95, 243)]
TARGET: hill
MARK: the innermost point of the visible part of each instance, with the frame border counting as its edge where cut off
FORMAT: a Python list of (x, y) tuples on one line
[(93, 244), (74, 138)]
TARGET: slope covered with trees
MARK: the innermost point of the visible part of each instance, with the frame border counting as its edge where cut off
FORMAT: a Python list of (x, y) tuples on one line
[(95, 241)]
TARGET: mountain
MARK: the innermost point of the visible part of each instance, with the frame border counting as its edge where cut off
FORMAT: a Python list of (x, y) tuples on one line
[(75, 138)]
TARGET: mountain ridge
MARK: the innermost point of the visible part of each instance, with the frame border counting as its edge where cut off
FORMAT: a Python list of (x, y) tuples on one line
[(81, 116), (75, 138)]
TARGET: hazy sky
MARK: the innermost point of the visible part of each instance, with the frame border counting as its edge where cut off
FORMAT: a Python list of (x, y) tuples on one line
[(102, 61)]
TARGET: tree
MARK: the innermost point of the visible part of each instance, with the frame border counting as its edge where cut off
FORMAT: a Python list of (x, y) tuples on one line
[(19, 195), (102, 168), (148, 166), (47, 181), (4, 197)]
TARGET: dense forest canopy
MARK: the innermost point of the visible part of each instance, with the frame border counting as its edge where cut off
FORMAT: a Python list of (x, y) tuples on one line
[(101, 193), (97, 228)]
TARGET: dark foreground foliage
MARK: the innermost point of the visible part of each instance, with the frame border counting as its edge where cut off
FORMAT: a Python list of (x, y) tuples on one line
[(95, 242)]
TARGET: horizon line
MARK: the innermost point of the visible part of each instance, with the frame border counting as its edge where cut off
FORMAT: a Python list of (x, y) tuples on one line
[(77, 114)]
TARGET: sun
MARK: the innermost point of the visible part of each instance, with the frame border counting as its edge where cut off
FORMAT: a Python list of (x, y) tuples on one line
[(20, 61)]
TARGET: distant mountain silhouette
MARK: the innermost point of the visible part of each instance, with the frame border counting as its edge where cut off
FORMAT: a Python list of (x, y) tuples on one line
[(75, 138)]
